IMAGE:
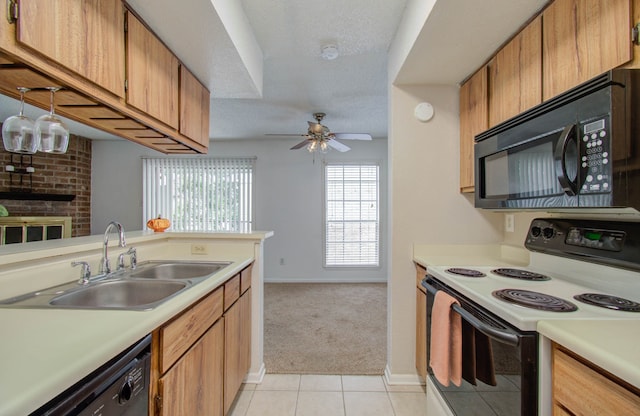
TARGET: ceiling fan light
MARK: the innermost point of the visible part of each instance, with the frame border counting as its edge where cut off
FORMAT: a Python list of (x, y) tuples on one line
[(312, 146), (324, 146)]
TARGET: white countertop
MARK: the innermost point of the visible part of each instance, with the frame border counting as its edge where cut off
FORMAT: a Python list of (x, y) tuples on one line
[(45, 351), (470, 255), (609, 344)]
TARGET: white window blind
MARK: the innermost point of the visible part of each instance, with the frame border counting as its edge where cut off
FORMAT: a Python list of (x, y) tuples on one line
[(352, 227), (199, 194)]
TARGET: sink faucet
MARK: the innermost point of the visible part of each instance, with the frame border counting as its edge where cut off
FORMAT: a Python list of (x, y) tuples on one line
[(133, 256), (105, 266), (86, 271)]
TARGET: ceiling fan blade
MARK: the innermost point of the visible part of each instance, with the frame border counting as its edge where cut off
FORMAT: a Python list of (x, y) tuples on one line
[(300, 145), (283, 134), (352, 136), (338, 146)]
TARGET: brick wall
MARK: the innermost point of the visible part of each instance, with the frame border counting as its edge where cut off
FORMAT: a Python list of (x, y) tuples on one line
[(69, 173)]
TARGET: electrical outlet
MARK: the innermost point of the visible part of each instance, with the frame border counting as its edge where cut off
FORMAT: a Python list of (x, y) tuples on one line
[(199, 249), (509, 223)]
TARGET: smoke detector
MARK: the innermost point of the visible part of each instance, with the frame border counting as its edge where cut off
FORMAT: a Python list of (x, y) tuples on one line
[(329, 52)]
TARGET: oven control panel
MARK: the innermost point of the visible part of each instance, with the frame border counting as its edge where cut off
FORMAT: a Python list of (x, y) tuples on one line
[(615, 243), (595, 238)]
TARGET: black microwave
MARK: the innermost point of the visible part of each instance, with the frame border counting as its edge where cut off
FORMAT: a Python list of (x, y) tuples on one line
[(577, 150)]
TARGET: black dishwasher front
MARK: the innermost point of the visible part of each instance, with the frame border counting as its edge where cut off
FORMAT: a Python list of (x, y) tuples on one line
[(118, 388)]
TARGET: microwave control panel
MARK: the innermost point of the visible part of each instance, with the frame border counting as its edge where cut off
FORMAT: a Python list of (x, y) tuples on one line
[(594, 156)]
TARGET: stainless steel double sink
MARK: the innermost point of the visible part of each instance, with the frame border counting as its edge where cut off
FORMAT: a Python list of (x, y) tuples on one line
[(149, 285)]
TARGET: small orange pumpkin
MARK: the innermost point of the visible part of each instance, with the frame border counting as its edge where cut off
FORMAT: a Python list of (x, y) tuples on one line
[(159, 224)]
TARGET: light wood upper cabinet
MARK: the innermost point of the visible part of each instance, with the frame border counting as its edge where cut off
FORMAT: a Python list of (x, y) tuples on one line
[(515, 75), (582, 39), (152, 74), (86, 37), (194, 107), (474, 119)]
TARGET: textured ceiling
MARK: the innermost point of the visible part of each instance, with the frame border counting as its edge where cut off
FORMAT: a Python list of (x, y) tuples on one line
[(298, 82), (261, 58)]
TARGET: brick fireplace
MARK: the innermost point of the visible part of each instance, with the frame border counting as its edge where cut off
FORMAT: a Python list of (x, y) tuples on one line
[(54, 175)]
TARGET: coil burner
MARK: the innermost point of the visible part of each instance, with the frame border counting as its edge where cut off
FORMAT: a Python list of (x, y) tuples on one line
[(465, 272), (520, 274), (609, 302), (535, 300)]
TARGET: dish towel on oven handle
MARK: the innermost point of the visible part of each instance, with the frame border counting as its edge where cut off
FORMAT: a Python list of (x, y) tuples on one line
[(445, 351)]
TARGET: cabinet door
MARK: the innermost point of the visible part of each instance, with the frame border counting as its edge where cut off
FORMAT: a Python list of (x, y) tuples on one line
[(421, 333), (584, 389), (194, 107), (86, 37), (582, 39), (245, 333), (474, 119), (194, 386), (515, 75), (152, 74), (237, 347)]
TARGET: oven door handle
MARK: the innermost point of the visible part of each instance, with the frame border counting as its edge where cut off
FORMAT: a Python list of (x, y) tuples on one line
[(502, 336)]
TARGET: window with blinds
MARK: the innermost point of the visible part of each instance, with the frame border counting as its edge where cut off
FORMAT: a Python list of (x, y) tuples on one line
[(352, 217), (199, 194)]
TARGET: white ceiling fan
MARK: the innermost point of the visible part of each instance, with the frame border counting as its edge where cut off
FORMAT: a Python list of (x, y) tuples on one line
[(319, 138)]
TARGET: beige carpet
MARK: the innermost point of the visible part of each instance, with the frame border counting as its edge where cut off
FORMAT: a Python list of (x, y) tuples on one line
[(325, 328)]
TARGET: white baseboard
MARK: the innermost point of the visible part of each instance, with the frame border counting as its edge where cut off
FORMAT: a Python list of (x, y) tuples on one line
[(322, 280), (401, 379), (256, 378)]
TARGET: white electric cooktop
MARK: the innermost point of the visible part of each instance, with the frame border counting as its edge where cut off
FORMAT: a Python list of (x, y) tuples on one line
[(567, 278)]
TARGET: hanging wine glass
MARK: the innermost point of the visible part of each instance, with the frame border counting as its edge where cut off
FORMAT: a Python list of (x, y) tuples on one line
[(50, 131), (17, 131)]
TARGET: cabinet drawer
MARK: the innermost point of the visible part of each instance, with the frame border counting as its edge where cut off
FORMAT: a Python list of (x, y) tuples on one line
[(245, 278), (179, 335), (231, 291), (581, 389)]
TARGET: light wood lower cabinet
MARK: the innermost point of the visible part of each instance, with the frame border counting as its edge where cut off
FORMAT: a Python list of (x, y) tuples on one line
[(187, 361), (200, 357), (194, 385), (237, 339), (421, 323), (581, 388)]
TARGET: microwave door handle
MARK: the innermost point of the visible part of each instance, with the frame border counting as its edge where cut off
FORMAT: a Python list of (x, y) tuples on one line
[(568, 186), (502, 336)]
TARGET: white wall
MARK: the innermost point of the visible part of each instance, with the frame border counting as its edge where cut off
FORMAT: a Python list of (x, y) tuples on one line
[(426, 206), (288, 200)]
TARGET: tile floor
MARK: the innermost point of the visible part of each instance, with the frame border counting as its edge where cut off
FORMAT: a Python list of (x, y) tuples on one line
[(321, 395)]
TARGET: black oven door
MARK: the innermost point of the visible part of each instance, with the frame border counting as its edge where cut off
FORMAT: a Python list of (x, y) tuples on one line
[(506, 381)]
